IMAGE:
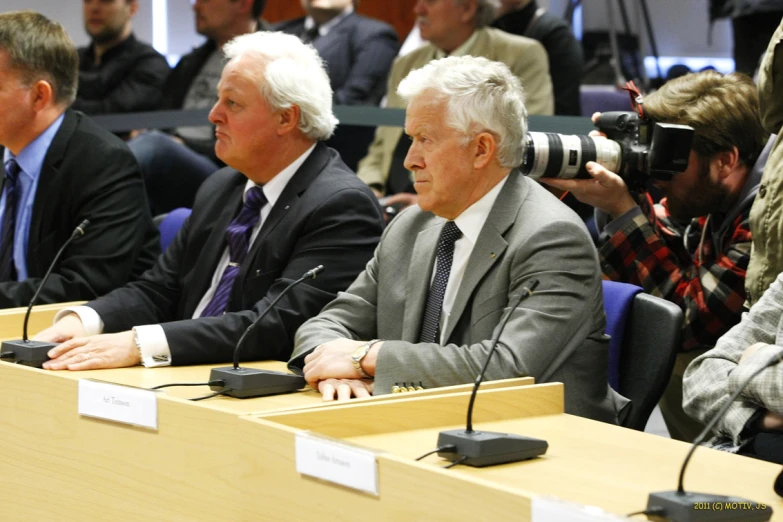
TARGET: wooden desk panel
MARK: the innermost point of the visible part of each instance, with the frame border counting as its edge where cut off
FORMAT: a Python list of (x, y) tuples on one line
[(587, 462)]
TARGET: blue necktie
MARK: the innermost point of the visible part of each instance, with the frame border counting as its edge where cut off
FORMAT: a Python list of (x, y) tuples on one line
[(238, 238), (11, 189), (430, 326)]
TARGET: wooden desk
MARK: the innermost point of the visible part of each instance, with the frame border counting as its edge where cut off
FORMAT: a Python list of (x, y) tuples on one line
[(204, 462), (587, 462), (42, 316)]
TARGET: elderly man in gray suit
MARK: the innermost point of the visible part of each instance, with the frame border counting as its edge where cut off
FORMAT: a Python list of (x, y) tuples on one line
[(426, 307)]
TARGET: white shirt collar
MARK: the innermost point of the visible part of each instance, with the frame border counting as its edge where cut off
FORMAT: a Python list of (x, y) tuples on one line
[(472, 219), (274, 188), (324, 29), (462, 50)]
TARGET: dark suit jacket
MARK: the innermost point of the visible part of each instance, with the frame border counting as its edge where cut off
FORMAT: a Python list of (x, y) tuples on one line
[(88, 173), (358, 52), (325, 215), (555, 335), (130, 78)]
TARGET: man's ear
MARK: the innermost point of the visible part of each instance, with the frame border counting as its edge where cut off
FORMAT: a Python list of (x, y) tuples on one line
[(486, 150), (134, 7), (42, 95), (288, 120), (727, 162), (469, 9)]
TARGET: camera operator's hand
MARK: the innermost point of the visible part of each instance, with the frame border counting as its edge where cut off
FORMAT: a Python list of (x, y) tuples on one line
[(606, 191)]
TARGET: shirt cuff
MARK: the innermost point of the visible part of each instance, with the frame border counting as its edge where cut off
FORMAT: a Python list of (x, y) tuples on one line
[(616, 225), (153, 345), (92, 322)]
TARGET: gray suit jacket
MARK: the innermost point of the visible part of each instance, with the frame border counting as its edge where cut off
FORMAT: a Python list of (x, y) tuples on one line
[(555, 335)]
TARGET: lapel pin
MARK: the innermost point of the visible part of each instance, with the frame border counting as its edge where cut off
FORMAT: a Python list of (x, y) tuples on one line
[(492, 255)]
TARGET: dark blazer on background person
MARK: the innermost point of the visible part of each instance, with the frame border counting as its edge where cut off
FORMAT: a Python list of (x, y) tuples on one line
[(324, 216), (358, 52), (557, 334), (88, 173)]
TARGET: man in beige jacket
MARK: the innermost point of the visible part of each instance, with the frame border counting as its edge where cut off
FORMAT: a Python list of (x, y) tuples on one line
[(766, 216), (455, 28)]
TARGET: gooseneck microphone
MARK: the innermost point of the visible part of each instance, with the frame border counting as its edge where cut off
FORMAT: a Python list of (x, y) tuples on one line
[(484, 448), (34, 353), (679, 506), (244, 383)]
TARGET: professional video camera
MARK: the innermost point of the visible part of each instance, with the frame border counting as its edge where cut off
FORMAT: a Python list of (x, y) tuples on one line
[(637, 149)]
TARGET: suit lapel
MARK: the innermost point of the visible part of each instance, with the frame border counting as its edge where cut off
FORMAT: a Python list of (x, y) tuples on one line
[(49, 180), (212, 249), (309, 170), (417, 285), (489, 247), (324, 43)]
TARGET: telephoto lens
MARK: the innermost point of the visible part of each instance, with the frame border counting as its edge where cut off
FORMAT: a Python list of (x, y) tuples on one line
[(551, 155)]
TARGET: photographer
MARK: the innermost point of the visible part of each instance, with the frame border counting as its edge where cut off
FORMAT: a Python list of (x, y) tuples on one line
[(693, 247)]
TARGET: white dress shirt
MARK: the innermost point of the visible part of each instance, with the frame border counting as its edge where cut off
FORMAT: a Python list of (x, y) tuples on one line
[(152, 340), (324, 29), (470, 223)]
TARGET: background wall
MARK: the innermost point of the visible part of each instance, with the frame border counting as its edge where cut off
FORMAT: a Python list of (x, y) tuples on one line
[(680, 27)]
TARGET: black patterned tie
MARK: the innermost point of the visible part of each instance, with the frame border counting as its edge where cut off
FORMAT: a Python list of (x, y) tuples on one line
[(11, 189), (430, 326), (309, 35), (238, 236)]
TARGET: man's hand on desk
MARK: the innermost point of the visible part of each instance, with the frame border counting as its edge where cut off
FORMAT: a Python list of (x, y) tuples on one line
[(330, 368), (68, 327), (344, 389), (91, 353)]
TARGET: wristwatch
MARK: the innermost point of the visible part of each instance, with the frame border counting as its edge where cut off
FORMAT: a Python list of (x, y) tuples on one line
[(359, 354)]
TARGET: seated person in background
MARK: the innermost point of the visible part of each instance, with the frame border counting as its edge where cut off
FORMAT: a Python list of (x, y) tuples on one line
[(691, 249), (455, 28), (753, 425), (485, 232), (60, 169), (766, 216), (358, 52), (285, 204), (174, 165), (526, 18), (117, 73)]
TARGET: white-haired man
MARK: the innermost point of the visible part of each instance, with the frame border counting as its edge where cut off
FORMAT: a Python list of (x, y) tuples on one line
[(443, 275), (453, 28), (285, 204)]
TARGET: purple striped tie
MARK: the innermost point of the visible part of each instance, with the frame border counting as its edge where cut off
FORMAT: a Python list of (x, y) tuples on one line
[(7, 268), (238, 238)]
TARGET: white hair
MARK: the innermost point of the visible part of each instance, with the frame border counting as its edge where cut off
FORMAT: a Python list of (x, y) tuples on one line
[(485, 11), (481, 95), (293, 74)]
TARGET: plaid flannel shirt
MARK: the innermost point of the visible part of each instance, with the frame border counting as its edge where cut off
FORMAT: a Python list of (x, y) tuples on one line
[(715, 375), (704, 273)]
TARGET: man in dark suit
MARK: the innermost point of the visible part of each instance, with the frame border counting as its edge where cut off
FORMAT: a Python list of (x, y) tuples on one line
[(358, 52), (285, 204), (59, 169), (428, 304), (176, 164)]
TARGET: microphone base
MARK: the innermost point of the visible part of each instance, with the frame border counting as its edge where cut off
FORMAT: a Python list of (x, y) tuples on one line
[(245, 383), (704, 507), (27, 353), (485, 448)]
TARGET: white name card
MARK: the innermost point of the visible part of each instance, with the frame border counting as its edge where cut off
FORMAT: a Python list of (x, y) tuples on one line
[(336, 462), (550, 509), (118, 403)]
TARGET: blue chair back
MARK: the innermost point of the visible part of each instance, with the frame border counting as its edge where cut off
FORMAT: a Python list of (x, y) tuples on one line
[(645, 340), (600, 98), (170, 225), (618, 300)]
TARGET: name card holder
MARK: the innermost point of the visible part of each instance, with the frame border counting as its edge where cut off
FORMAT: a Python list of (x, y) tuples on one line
[(336, 462), (117, 403)]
